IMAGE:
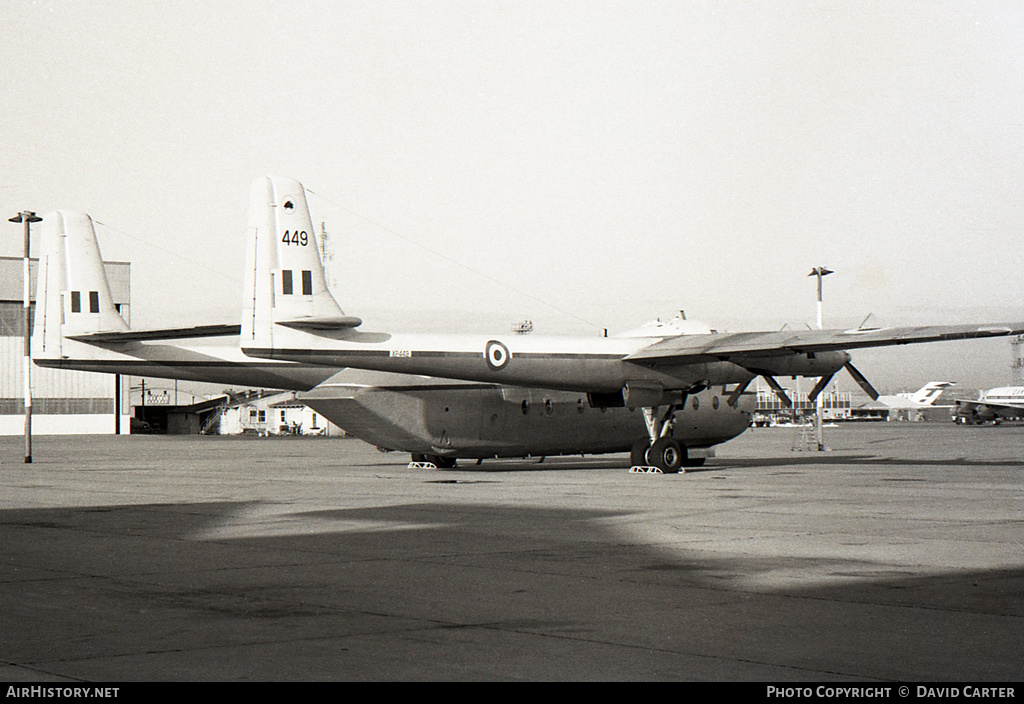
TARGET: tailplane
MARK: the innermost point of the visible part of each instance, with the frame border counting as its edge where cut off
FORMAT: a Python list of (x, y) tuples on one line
[(284, 278), (72, 293)]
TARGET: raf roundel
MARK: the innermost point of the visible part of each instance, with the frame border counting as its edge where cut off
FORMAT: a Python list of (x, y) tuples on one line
[(497, 355)]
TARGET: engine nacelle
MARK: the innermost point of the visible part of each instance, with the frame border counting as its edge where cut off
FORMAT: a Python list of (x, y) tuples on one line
[(803, 364)]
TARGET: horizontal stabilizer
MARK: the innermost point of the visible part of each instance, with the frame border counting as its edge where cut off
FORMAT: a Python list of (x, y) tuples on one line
[(327, 322), (104, 338)]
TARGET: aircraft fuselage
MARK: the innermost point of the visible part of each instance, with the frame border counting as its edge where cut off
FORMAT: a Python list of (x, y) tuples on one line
[(478, 421)]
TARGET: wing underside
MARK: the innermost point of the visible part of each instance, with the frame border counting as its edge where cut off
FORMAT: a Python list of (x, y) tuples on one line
[(687, 348), (106, 338), (995, 406)]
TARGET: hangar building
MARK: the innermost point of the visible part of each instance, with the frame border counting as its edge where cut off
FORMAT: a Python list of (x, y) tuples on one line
[(63, 401)]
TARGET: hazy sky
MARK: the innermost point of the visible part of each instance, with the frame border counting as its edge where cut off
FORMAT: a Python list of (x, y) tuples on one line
[(582, 164)]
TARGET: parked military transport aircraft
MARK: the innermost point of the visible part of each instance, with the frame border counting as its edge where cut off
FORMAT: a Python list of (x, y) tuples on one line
[(436, 420), (1004, 402), (290, 315)]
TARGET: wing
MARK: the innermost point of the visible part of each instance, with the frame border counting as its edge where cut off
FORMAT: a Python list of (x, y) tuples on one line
[(106, 338), (691, 348), (1003, 409)]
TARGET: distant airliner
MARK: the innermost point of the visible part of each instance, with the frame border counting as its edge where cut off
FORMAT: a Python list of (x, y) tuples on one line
[(1004, 402), (658, 374)]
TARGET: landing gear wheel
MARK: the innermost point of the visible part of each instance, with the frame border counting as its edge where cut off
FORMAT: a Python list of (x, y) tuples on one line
[(667, 455), (441, 462), (419, 457), (638, 455)]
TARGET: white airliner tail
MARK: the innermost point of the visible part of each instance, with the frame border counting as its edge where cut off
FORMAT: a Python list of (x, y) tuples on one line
[(928, 394), (72, 293), (284, 277)]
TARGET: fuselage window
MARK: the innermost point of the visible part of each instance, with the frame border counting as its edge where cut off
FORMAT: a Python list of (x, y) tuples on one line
[(714, 402), (696, 403), (526, 407)]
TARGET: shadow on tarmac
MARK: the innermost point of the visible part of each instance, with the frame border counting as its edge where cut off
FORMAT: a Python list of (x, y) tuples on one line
[(231, 591)]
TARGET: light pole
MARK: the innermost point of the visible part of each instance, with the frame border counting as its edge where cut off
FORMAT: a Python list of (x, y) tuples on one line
[(820, 272), (27, 217)]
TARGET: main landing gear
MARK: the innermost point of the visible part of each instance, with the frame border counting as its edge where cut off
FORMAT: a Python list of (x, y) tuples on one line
[(662, 453)]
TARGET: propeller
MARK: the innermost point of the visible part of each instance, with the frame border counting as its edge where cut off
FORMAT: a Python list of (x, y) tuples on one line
[(734, 397), (823, 382), (819, 387), (779, 391), (861, 380)]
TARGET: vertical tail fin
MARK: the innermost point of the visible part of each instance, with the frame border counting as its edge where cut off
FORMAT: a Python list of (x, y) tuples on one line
[(284, 277), (72, 294), (930, 392)]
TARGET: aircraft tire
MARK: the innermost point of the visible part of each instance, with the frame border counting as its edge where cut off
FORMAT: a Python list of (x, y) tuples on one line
[(667, 455), (638, 455), (441, 462)]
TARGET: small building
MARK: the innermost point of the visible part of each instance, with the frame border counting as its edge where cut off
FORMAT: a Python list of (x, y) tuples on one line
[(198, 418), (870, 411), (273, 414)]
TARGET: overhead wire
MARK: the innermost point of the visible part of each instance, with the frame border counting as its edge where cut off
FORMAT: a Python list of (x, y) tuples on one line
[(174, 254), (384, 228), (450, 260)]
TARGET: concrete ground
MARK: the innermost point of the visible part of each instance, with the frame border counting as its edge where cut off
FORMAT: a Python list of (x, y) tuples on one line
[(897, 555)]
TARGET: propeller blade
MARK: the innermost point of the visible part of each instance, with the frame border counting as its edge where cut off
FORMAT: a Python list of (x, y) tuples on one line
[(819, 387), (862, 381), (779, 391), (734, 397)]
